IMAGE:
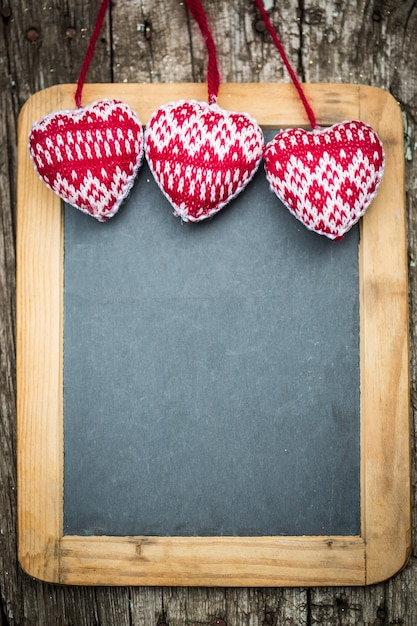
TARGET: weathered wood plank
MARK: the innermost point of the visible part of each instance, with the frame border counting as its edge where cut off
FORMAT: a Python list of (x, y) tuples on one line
[(8, 505), (342, 41), (47, 41), (159, 42)]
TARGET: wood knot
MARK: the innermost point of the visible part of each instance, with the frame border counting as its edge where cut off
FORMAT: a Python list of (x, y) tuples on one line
[(260, 26), (71, 32), (6, 14), (32, 35), (270, 618), (314, 16), (381, 614)]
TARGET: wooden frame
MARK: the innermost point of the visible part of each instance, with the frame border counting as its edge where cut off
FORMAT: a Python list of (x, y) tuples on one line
[(384, 542)]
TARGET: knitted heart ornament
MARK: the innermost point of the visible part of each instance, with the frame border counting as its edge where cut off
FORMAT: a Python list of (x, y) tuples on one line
[(89, 156), (326, 177), (201, 156)]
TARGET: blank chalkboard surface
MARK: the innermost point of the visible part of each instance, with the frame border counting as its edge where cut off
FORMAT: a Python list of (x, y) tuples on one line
[(192, 398), (200, 376)]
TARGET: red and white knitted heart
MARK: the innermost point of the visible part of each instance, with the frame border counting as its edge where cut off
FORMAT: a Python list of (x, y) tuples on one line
[(201, 156), (89, 156), (326, 177)]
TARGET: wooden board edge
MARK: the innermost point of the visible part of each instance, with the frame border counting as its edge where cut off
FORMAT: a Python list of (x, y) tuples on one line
[(385, 425), (212, 561), (265, 101), (39, 276)]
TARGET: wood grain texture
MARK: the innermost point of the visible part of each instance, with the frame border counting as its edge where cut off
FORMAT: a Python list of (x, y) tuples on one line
[(384, 307), (341, 41)]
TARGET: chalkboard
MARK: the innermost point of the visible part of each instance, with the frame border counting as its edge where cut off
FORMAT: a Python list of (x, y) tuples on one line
[(200, 376), (195, 397)]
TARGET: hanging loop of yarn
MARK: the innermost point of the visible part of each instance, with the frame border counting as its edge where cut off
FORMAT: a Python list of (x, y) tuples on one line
[(90, 51), (213, 76), (310, 113)]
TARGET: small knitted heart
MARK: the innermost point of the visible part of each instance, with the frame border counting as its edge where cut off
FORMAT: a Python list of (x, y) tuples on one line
[(326, 177), (201, 156), (89, 156)]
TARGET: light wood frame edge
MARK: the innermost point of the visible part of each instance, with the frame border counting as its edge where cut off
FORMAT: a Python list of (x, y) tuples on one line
[(384, 348), (384, 544)]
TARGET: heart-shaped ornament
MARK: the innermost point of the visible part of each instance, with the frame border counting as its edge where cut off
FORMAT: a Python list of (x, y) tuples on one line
[(326, 177), (89, 156), (201, 156)]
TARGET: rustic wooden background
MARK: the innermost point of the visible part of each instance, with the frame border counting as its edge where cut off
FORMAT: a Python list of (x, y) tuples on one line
[(43, 43)]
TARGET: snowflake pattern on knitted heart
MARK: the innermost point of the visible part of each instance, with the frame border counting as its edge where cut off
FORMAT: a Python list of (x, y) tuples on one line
[(201, 156), (326, 177), (89, 156)]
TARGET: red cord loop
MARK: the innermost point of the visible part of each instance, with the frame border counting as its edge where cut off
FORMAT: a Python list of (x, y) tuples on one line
[(213, 76), (90, 51), (278, 45)]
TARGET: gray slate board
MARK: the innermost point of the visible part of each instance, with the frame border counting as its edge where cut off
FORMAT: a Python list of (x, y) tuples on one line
[(211, 372)]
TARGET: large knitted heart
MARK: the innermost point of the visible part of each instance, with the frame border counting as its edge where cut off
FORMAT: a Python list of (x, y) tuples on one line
[(201, 156), (326, 177), (89, 156)]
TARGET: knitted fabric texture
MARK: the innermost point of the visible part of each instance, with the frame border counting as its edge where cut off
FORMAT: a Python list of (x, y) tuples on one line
[(89, 156), (201, 156), (326, 177)]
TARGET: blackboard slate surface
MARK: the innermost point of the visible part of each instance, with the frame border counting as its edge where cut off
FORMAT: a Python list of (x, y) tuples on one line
[(211, 372)]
